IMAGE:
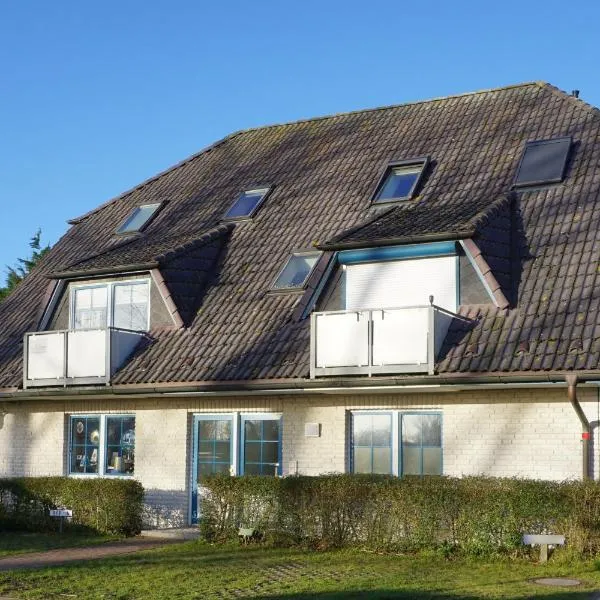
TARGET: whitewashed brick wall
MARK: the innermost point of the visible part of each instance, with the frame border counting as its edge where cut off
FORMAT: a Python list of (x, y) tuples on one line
[(526, 433)]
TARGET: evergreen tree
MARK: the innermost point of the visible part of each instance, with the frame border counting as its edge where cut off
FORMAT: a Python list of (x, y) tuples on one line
[(16, 274)]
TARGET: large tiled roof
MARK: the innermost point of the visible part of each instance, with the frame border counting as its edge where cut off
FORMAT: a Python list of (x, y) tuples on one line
[(323, 173)]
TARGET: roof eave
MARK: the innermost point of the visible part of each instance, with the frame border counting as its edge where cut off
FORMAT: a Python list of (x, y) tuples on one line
[(398, 241), (119, 270)]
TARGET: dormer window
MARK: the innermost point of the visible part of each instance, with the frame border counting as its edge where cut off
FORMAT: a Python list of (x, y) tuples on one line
[(247, 203), (400, 181), (296, 271), (543, 162), (138, 218), (124, 305)]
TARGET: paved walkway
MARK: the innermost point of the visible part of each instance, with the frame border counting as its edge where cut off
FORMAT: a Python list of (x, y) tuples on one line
[(62, 556)]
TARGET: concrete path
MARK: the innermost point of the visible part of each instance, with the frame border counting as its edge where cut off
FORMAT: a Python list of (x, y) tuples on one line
[(62, 556)]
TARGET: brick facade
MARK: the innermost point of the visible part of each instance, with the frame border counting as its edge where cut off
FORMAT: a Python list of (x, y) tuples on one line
[(529, 432)]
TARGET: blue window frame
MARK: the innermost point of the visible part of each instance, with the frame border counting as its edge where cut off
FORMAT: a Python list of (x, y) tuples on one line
[(120, 445), (372, 443), (84, 444), (101, 445), (396, 442), (421, 451), (261, 445), (213, 450)]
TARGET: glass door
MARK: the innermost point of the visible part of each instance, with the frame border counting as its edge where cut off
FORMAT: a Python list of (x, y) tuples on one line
[(213, 452)]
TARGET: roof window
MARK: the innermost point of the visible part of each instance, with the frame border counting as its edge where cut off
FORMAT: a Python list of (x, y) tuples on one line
[(296, 271), (543, 161), (247, 204), (139, 218), (400, 181)]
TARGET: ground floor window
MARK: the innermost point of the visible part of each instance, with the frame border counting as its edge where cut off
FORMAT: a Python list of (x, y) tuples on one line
[(396, 442), (235, 443), (101, 444)]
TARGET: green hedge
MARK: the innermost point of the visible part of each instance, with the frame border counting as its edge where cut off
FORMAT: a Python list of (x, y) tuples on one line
[(111, 506), (474, 515)]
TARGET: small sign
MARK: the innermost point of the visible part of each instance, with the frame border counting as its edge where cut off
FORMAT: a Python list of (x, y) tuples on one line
[(61, 512)]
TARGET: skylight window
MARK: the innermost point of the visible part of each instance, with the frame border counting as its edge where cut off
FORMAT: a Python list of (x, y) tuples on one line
[(296, 271), (247, 203), (543, 161), (139, 218), (400, 181)]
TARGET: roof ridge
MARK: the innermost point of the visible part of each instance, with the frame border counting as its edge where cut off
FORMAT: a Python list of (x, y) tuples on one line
[(214, 145)]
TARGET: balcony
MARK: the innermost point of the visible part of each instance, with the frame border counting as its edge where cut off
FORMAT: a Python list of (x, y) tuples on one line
[(76, 357), (377, 341)]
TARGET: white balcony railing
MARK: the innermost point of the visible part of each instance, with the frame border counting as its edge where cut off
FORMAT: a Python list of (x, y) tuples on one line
[(76, 357), (377, 341)]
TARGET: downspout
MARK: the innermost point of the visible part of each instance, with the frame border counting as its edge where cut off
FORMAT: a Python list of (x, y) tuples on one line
[(586, 428)]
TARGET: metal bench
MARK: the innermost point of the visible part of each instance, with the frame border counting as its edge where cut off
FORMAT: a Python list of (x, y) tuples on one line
[(543, 540)]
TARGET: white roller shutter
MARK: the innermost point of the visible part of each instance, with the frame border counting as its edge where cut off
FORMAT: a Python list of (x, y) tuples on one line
[(402, 283)]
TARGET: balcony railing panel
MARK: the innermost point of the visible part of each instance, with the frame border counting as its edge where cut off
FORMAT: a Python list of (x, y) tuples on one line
[(377, 341), (76, 357)]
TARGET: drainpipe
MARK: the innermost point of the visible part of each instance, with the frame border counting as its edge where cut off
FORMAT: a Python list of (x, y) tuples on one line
[(586, 429)]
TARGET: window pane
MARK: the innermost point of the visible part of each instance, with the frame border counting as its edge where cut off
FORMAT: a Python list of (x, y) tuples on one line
[(382, 460), (131, 306), (252, 430), (399, 183), (252, 469), (204, 469), (205, 450), (206, 429), (222, 451), (411, 460), (223, 431), (120, 447), (297, 270), (431, 429), (271, 431), (411, 430), (246, 204), (382, 430), (84, 444), (138, 218), (252, 452), (270, 452), (361, 435), (89, 307), (362, 460), (261, 446), (432, 461), (543, 161)]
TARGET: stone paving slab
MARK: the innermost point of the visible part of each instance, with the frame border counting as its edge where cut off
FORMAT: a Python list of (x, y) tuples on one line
[(62, 556)]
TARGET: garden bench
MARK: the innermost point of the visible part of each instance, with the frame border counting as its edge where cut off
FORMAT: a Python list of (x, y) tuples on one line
[(543, 540)]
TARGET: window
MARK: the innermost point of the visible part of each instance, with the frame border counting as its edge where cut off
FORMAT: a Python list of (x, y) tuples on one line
[(247, 204), (120, 304), (421, 444), (261, 445), (399, 443), (372, 443), (297, 270), (101, 445), (214, 437), (400, 181), (139, 218), (543, 162), (233, 443)]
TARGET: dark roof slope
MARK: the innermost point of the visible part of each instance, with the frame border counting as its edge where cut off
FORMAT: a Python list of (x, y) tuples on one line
[(323, 173)]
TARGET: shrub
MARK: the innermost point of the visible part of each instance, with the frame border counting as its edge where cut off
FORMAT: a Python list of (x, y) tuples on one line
[(475, 515), (103, 505)]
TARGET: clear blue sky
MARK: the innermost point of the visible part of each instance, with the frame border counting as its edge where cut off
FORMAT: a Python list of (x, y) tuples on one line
[(97, 96)]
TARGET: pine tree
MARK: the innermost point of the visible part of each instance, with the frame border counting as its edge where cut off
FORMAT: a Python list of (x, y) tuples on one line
[(16, 274)]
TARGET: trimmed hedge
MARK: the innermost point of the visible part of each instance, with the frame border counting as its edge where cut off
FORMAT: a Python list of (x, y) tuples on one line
[(475, 515), (108, 506)]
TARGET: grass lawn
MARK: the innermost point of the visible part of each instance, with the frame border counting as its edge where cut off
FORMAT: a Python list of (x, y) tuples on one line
[(18, 543), (198, 570)]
